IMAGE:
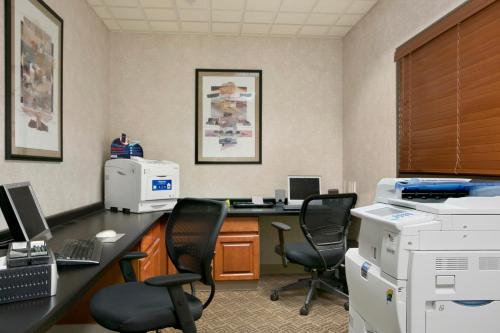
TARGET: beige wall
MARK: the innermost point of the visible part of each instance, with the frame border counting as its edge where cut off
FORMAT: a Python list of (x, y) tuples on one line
[(152, 99), (370, 86), (147, 90), (77, 181)]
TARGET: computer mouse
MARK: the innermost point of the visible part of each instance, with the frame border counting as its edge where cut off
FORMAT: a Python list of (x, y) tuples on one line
[(106, 234)]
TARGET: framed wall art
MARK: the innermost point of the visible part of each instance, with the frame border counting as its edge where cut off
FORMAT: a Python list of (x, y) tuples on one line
[(228, 116), (33, 81)]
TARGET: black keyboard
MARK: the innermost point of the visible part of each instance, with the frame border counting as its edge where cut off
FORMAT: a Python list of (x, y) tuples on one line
[(80, 252), (252, 205), (292, 207)]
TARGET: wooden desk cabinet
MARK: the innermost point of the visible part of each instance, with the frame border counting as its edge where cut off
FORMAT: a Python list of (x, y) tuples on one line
[(237, 252), (156, 263)]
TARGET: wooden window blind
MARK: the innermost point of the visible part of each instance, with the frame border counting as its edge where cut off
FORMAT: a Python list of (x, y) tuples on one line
[(449, 95)]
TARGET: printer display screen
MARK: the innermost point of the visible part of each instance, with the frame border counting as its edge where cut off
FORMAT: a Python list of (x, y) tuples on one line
[(161, 184)]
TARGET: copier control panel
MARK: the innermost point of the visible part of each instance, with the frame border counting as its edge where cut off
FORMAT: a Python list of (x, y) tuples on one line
[(391, 214)]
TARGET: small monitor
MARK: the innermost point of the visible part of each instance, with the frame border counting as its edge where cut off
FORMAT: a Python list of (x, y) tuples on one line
[(22, 212), (300, 187)]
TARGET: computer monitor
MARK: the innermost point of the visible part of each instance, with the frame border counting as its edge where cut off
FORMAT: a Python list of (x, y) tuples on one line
[(300, 187), (22, 212)]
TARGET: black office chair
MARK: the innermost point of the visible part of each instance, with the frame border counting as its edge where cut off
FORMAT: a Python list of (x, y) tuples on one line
[(160, 302), (324, 220)]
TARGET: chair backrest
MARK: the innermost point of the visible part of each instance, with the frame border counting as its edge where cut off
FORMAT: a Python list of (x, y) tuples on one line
[(191, 233), (324, 220)]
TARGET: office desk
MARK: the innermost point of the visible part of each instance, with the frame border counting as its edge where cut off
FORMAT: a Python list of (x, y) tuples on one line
[(38, 315)]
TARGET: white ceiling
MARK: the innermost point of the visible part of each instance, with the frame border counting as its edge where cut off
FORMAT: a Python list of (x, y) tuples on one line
[(299, 18)]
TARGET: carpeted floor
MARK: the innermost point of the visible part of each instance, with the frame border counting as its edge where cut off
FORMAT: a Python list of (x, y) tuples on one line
[(253, 311)]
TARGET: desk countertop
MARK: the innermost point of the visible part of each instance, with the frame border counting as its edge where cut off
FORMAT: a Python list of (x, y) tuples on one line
[(256, 212), (277, 211), (39, 314)]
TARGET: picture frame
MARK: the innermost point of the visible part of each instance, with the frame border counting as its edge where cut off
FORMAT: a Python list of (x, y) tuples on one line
[(228, 116), (33, 81)]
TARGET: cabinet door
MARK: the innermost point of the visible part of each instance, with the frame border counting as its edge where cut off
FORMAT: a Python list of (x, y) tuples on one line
[(156, 260), (150, 266), (150, 237), (237, 257), (154, 245)]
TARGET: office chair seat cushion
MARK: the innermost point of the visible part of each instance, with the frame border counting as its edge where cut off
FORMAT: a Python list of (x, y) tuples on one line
[(304, 254), (136, 307)]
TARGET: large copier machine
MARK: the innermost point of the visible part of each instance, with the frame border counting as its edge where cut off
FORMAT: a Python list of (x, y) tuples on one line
[(428, 259)]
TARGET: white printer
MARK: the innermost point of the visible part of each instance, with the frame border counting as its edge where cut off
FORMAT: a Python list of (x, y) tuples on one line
[(138, 185), (426, 263)]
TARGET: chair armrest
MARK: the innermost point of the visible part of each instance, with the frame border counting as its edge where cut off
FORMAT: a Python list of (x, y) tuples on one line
[(126, 265), (134, 255), (281, 227), (174, 283), (172, 280)]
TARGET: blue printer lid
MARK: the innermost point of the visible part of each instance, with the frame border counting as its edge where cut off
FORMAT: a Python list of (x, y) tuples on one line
[(466, 187)]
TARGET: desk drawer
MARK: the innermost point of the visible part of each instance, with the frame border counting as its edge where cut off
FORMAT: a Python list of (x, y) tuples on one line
[(240, 224)]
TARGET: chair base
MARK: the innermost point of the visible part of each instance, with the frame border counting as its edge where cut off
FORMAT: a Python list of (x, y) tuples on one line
[(316, 282)]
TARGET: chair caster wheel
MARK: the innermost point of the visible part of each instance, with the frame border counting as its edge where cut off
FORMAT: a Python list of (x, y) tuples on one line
[(304, 311), (275, 296), (346, 306)]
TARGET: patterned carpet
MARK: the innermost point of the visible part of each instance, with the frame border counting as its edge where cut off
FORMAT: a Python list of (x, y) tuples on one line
[(253, 311)]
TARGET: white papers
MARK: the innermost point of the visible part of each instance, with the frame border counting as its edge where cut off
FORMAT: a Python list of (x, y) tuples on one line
[(3, 262), (257, 200), (19, 245)]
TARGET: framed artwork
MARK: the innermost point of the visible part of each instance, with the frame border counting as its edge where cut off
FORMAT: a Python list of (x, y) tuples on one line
[(33, 81), (228, 116)]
